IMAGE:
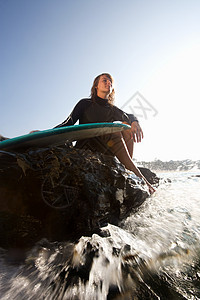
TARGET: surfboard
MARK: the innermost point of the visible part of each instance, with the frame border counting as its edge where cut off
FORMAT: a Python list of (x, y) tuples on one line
[(59, 136)]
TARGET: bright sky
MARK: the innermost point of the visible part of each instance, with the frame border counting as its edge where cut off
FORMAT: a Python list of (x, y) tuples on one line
[(50, 52)]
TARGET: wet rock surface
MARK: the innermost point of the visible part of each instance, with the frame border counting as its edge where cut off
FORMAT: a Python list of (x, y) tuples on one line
[(63, 193)]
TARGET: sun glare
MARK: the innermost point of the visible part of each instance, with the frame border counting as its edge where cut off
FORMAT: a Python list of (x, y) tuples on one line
[(174, 92)]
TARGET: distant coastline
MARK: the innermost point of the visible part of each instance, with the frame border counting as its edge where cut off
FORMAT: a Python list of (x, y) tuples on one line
[(172, 165)]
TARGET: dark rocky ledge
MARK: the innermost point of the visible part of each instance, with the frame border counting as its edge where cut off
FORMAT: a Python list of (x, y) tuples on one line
[(63, 193)]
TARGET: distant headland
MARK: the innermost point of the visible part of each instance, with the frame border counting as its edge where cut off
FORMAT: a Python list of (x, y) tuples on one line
[(172, 165)]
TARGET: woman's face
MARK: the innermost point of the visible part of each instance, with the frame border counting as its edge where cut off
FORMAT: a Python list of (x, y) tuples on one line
[(104, 87)]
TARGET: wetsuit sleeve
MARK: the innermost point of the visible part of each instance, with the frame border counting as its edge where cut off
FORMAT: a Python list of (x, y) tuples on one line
[(132, 118), (120, 115), (74, 116)]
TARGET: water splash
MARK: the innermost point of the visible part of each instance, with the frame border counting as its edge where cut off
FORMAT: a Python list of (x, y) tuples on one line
[(154, 255)]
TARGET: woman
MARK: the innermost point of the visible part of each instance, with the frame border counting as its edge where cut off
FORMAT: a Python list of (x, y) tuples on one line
[(100, 108)]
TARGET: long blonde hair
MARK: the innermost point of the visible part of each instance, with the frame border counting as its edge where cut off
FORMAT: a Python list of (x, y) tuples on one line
[(111, 96)]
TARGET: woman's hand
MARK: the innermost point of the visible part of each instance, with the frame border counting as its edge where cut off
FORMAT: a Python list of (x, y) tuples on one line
[(137, 132), (34, 131)]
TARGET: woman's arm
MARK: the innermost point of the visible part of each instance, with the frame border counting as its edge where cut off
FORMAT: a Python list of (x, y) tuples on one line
[(75, 114)]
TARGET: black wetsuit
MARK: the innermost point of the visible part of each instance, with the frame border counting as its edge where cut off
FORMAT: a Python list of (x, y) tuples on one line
[(96, 111)]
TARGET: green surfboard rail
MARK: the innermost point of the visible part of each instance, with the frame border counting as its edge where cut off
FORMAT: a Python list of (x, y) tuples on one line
[(58, 136)]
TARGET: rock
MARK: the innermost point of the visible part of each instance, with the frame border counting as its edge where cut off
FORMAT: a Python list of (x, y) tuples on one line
[(62, 193), (152, 177)]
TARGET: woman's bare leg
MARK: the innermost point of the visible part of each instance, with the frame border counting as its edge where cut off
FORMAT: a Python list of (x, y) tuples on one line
[(120, 149), (123, 153), (128, 138)]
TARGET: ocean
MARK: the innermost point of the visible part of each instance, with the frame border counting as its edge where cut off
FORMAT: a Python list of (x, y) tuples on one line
[(153, 254)]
